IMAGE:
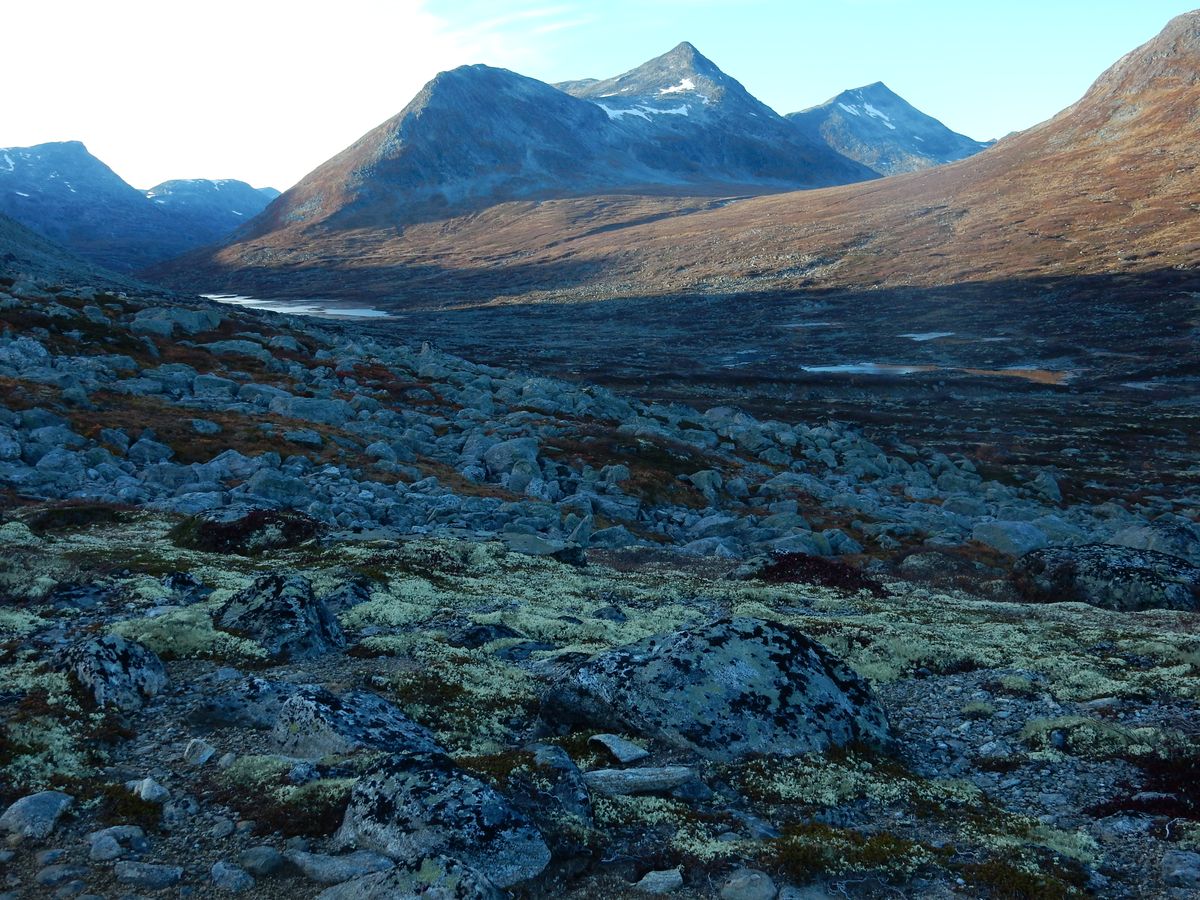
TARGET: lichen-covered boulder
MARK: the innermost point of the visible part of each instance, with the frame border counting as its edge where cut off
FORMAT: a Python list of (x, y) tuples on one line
[(414, 806), (315, 722), (433, 878), (280, 613), (726, 690), (1112, 577), (116, 671)]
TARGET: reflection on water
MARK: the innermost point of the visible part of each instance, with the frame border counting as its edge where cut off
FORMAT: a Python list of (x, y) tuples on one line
[(1029, 373), (325, 309)]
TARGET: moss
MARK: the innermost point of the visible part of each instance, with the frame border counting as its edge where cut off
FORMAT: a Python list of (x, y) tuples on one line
[(257, 787), (1003, 880), (978, 709), (812, 849), (1095, 739), (256, 532), (75, 516)]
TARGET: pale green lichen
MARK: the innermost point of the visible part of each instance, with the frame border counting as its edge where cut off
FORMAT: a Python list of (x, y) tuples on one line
[(188, 633), (1097, 739)]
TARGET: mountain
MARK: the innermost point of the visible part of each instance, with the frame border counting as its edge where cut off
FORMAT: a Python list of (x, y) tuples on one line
[(63, 192), (478, 137), (207, 210), (684, 114), (883, 131)]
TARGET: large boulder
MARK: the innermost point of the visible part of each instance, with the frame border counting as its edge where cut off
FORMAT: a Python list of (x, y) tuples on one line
[(415, 806), (435, 878), (1113, 577), (729, 689), (1174, 536), (315, 722), (1011, 538), (280, 613), (115, 671)]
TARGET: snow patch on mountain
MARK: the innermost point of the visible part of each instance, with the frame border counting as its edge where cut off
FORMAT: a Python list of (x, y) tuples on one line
[(685, 85)]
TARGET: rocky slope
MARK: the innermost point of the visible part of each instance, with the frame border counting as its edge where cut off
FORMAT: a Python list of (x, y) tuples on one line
[(298, 610), (878, 128), (64, 193)]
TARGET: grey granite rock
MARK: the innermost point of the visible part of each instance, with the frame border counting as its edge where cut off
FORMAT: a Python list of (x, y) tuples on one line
[(415, 806), (726, 690), (116, 671)]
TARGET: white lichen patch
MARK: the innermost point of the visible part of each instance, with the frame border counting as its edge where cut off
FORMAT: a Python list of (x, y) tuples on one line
[(188, 633)]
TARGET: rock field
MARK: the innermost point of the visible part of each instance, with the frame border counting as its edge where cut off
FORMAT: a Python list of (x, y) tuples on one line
[(288, 608)]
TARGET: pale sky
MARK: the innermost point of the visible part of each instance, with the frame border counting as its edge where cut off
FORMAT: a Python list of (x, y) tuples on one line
[(266, 90)]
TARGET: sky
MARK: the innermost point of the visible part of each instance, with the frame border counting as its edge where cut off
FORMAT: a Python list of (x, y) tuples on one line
[(266, 90)]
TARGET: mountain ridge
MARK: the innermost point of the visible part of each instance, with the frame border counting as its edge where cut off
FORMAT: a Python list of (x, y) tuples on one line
[(63, 192)]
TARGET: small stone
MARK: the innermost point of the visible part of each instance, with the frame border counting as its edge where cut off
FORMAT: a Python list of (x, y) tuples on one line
[(622, 750), (147, 875), (198, 752), (749, 884), (58, 874), (221, 828), (661, 882), (260, 861), (619, 782), (36, 815), (105, 848), (230, 878), (149, 790), (49, 857)]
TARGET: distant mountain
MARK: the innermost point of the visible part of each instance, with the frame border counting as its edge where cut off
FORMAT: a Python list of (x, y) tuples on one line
[(478, 136), (208, 210), (883, 131), (684, 115), (63, 192)]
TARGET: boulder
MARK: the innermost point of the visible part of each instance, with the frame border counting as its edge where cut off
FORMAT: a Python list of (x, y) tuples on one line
[(1012, 538), (280, 613), (415, 806), (1113, 577), (1173, 536), (502, 457), (434, 878), (325, 869), (313, 409), (116, 671), (726, 690), (36, 815), (315, 722)]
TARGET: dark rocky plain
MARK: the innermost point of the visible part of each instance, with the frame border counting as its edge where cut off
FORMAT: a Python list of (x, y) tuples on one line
[(297, 607)]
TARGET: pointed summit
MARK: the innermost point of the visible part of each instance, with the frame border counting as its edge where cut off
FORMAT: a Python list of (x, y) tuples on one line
[(683, 69), (880, 129)]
